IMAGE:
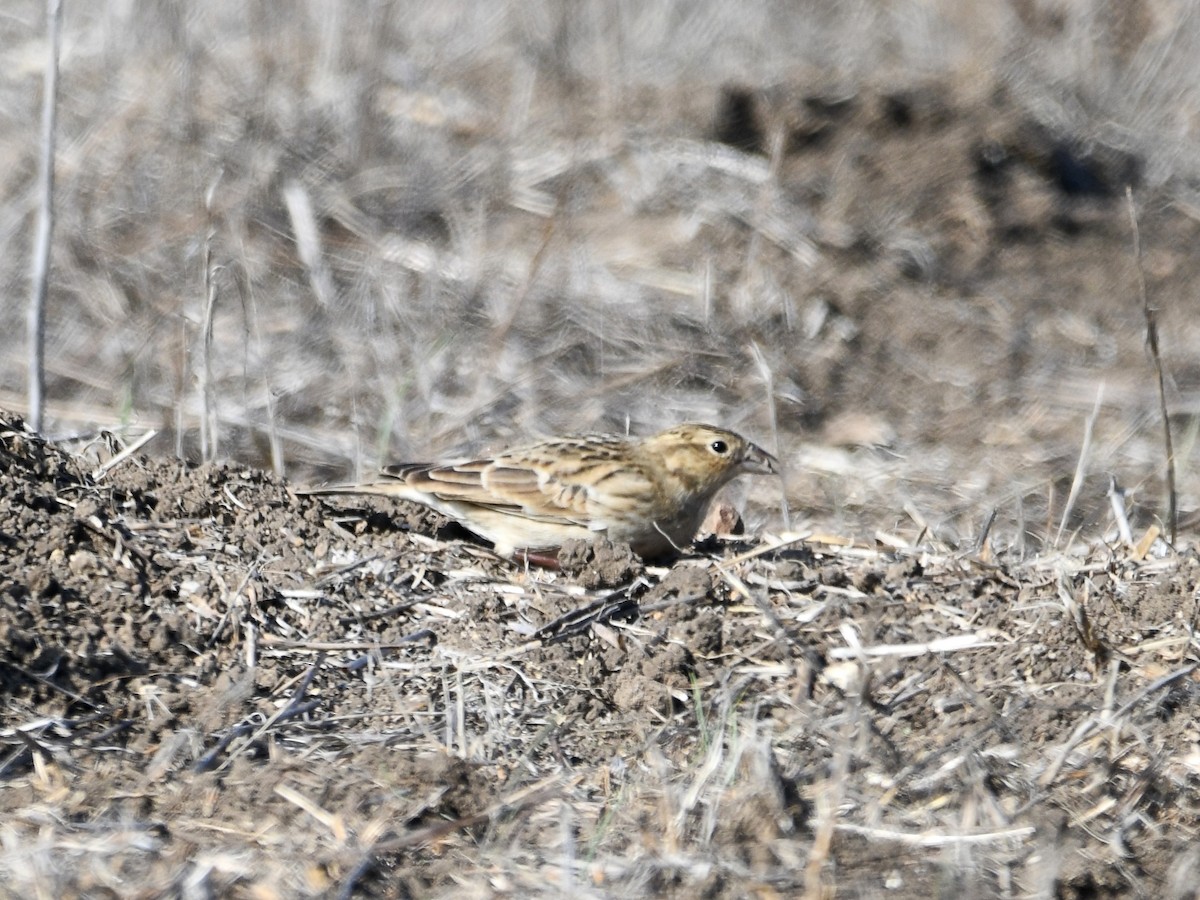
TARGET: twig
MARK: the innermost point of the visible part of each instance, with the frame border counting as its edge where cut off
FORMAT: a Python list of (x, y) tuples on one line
[(1158, 684), (981, 544), (810, 656), (827, 807), (46, 682), (1116, 496), (133, 448), (308, 242), (40, 269), (1091, 723), (768, 377), (603, 609), (295, 707), (1081, 466), (1152, 342), (951, 644), (251, 646), (208, 760), (1079, 617), (332, 821), (937, 840), (208, 425), (274, 440), (273, 642)]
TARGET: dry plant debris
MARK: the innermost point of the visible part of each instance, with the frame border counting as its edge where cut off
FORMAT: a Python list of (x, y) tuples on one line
[(210, 681), (893, 246)]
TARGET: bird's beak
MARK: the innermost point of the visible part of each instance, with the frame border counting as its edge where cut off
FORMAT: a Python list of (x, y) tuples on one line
[(757, 461)]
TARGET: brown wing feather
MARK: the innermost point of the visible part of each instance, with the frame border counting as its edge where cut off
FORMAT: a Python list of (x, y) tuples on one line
[(551, 483), (510, 484), (465, 477), (507, 485), (436, 478)]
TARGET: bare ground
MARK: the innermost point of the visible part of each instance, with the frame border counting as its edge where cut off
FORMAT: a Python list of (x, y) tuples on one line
[(211, 682)]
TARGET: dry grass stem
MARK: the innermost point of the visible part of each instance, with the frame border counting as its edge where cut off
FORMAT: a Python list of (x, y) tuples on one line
[(1081, 465), (1151, 318), (40, 261)]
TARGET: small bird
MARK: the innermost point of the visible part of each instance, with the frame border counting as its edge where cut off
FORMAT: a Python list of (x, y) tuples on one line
[(651, 493)]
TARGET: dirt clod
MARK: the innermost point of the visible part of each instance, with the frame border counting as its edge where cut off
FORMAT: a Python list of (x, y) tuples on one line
[(599, 563)]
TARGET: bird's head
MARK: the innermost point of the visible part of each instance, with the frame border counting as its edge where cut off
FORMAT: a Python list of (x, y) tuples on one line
[(705, 457)]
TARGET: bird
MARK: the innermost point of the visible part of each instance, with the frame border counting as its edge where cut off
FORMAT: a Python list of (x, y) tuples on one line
[(651, 493)]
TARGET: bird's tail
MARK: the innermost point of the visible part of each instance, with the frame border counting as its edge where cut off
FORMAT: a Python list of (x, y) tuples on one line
[(370, 487)]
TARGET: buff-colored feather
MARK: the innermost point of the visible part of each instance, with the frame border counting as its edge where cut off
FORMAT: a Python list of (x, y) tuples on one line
[(651, 493)]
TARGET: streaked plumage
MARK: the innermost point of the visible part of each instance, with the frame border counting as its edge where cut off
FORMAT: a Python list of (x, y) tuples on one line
[(651, 492)]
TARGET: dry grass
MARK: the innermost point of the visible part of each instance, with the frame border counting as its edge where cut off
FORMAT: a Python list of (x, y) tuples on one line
[(356, 710), (872, 231), (430, 228)]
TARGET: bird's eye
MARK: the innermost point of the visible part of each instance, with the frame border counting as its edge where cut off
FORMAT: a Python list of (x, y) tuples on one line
[(719, 447)]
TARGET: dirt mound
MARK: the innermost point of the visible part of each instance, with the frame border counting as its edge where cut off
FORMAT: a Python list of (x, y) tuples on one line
[(211, 681)]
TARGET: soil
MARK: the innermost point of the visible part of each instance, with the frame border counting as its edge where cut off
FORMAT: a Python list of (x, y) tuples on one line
[(946, 674), (210, 679)]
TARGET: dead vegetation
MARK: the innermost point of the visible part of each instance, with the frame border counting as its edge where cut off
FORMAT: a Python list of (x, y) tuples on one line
[(215, 685), (891, 237)]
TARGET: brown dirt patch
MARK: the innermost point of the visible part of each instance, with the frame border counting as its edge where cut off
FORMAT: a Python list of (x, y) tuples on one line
[(208, 677)]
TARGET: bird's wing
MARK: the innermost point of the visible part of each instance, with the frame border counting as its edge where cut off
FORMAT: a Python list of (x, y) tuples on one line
[(532, 483), (503, 485)]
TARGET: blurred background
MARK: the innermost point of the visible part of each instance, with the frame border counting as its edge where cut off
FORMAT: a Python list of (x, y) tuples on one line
[(890, 240)]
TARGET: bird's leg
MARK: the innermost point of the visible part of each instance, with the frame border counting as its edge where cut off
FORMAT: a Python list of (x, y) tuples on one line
[(541, 558)]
